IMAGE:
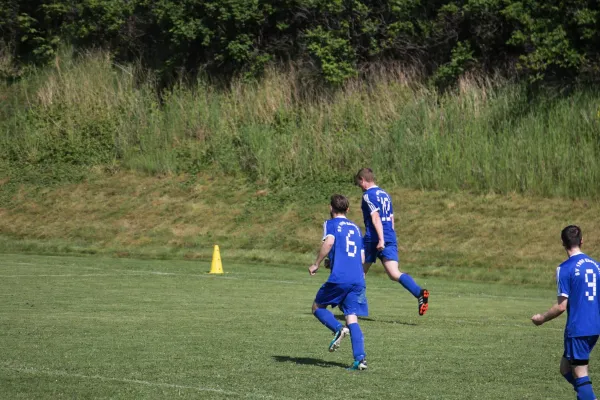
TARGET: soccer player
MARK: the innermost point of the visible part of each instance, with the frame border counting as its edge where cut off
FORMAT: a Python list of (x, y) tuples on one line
[(380, 236), (576, 278), (342, 243)]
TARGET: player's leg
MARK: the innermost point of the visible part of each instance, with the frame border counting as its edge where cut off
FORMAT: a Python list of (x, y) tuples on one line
[(327, 296), (370, 255), (358, 343), (580, 349), (583, 384), (326, 317), (389, 258), (330, 294), (355, 304), (407, 281), (566, 370)]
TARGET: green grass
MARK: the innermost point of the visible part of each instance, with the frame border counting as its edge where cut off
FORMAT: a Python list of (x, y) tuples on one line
[(89, 327), (486, 136)]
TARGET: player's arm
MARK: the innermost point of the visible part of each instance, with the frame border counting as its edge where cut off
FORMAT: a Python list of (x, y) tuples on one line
[(376, 218), (554, 311), (392, 215), (563, 286), (361, 248), (325, 248)]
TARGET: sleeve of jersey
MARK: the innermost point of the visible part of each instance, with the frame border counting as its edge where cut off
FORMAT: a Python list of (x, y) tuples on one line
[(372, 203), (327, 230), (562, 282)]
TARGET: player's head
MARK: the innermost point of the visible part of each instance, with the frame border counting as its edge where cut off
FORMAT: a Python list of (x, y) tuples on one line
[(339, 204), (365, 178), (571, 237)]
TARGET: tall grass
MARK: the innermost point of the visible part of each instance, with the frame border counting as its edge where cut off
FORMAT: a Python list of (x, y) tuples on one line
[(487, 135)]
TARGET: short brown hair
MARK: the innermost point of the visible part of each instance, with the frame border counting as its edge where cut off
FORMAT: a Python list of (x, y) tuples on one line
[(365, 174), (339, 204), (571, 237)]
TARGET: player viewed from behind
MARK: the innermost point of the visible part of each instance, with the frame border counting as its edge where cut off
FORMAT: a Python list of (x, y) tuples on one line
[(380, 236), (345, 288), (576, 278)]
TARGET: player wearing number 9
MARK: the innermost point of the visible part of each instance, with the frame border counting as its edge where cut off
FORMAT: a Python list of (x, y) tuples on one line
[(576, 278)]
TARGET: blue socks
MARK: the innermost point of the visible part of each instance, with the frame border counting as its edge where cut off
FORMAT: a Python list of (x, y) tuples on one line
[(570, 378), (358, 342), (583, 386), (328, 319), (409, 284)]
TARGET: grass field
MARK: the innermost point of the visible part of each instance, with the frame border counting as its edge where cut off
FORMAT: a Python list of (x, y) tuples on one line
[(91, 327)]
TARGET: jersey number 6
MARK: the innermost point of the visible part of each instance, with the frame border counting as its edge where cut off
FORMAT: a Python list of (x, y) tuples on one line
[(350, 245)]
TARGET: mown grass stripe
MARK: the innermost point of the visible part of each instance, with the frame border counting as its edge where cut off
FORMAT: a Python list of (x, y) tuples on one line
[(38, 371)]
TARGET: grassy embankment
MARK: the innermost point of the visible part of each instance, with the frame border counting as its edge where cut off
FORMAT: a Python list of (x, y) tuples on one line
[(487, 237), (92, 161)]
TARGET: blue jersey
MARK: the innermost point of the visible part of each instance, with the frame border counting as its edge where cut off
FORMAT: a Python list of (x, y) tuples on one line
[(345, 255), (577, 278), (376, 199)]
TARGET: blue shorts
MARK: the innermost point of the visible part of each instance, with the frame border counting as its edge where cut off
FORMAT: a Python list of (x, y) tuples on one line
[(579, 348), (352, 299), (390, 251)]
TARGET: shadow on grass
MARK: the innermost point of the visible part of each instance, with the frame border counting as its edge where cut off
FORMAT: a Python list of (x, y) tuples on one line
[(309, 361), (340, 317)]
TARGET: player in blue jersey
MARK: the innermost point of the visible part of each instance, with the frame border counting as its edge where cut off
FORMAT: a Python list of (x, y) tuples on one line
[(577, 280), (380, 236), (345, 288)]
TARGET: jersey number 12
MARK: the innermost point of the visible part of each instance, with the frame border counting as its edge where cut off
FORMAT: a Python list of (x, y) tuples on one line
[(385, 209)]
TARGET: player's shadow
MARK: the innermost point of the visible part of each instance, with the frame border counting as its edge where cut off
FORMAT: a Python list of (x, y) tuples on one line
[(340, 317), (309, 361)]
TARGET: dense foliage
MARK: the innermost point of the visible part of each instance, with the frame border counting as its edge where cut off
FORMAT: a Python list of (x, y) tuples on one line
[(81, 112), (336, 38)]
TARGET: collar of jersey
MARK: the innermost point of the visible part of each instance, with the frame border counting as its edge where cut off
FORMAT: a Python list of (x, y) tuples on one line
[(339, 216), (576, 254)]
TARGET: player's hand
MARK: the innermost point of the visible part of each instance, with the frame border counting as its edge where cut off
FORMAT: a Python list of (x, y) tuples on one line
[(537, 319), (380, 245), (313, 269)]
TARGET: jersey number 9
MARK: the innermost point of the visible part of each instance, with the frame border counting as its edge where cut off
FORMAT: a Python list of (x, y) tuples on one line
[(590, 279)]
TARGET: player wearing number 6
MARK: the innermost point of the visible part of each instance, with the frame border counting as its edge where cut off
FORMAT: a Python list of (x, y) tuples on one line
[(576, 278), (345, 288), (380, 236)]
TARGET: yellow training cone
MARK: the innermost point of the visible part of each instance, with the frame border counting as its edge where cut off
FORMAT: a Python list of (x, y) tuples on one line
[(216, 267)]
